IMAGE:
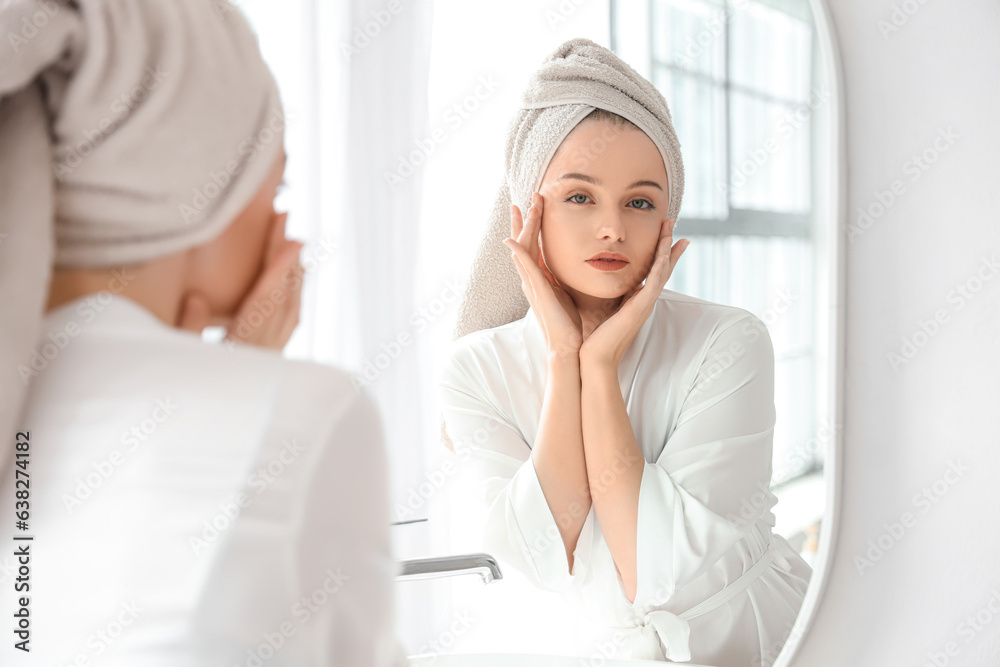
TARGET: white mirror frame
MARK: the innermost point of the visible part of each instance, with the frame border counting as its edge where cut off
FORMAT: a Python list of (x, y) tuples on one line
[(830, 245)]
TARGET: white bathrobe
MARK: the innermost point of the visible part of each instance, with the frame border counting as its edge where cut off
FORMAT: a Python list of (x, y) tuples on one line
[(195, 504), (698, 387)]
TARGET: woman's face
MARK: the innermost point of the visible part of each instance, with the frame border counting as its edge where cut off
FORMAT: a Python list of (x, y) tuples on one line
[(605, 190), (226, 268)]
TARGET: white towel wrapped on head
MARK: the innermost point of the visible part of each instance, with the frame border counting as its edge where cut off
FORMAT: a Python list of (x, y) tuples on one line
[(575, 79), (129, 130)]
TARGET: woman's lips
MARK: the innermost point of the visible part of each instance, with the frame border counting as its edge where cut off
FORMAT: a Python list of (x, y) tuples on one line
[(607, 264)]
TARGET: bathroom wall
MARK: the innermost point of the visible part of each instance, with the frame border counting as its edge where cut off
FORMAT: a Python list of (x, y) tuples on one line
[(914, 578)]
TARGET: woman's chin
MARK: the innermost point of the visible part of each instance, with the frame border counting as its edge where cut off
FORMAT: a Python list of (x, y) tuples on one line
[(608, 290)]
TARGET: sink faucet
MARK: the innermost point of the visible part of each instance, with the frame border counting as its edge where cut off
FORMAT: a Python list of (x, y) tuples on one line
[(484, 565)]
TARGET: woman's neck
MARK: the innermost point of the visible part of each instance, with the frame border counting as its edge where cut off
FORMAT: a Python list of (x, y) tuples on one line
[(594, 309), (157, 285)]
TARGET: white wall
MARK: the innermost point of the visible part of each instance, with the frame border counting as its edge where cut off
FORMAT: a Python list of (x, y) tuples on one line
[(902, 426)]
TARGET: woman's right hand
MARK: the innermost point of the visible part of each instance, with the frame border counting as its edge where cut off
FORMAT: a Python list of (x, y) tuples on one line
[(276, 296), (269, 312), (555, 309)]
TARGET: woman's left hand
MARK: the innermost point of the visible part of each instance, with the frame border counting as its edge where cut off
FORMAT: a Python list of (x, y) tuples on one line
[(609, 340), (269, 313)]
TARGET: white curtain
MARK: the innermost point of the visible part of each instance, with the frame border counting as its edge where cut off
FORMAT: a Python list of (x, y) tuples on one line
[(353, 76)]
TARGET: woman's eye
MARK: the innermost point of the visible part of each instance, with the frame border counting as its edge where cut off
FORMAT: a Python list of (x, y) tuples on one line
[(573, 198), (648, 203)]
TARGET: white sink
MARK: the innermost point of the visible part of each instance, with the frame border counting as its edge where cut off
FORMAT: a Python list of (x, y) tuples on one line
[(521, 660)]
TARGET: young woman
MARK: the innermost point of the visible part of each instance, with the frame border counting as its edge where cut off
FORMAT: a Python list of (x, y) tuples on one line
[(180, 503), (622, 433)]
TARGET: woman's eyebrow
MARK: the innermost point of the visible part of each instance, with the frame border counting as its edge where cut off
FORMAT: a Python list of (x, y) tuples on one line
[(594, 181), (580, 177), (649, 183)]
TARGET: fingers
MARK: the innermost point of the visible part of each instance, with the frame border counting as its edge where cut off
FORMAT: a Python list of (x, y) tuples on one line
[(276, 238), (518, 254), (529, 289), (516, 223), (668, 254), (277, 294), (285, 259), (195, 313), (537, 285), (294, 302), (533, 227), (677, 249), (526, 231)]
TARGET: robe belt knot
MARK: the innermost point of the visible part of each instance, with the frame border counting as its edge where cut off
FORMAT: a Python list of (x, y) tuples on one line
[(660, 626)]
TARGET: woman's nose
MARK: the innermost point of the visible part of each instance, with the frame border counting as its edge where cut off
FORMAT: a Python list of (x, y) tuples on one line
[(612, 226)]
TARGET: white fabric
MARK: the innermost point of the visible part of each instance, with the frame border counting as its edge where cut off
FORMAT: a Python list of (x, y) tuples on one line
[(698, 386), (195, 425), (129, 130)]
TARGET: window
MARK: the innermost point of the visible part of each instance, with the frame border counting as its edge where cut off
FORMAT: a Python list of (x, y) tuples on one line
[(739, 78)]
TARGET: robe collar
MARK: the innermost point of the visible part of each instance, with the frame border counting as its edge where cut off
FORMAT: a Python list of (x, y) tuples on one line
[(105, 311)]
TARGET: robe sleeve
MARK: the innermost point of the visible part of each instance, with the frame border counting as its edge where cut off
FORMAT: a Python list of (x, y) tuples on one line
[(711, 481), (518, 526)]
